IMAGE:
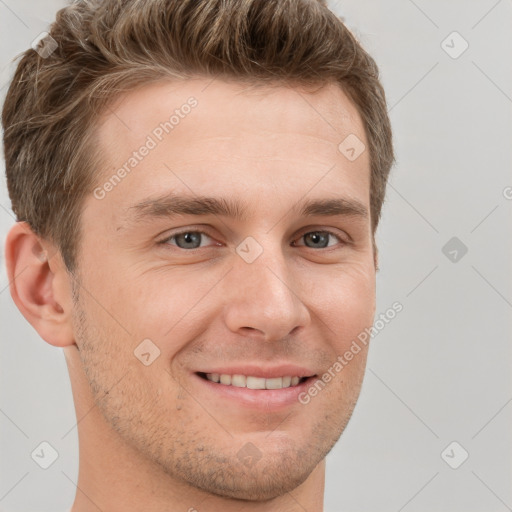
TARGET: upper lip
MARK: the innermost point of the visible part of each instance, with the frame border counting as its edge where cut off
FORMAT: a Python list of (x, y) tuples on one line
[(285, 370)]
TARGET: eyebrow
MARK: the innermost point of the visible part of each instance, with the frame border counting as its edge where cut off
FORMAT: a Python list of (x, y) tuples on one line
[(172, 205)]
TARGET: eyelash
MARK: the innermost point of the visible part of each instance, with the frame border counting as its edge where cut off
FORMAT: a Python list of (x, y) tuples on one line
[(174, 235)]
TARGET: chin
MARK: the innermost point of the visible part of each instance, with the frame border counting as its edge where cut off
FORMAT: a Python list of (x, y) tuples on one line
[(279, 471), (263, 485)]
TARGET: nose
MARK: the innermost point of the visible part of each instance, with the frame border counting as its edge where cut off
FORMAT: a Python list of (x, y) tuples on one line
[(264, 298)]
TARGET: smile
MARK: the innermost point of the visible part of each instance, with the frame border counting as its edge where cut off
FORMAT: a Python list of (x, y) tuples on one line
[(255, 386), (251, 382)]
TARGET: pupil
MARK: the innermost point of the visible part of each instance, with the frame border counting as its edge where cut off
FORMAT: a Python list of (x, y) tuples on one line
[(190, 238), (316, 236)]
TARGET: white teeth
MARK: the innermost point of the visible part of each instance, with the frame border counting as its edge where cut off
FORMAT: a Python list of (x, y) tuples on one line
[(276, 383), (238, 381), (225, 379), (255, 383), (243, 381)]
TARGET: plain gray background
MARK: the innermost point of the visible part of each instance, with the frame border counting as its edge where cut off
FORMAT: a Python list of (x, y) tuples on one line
[(440, 371)]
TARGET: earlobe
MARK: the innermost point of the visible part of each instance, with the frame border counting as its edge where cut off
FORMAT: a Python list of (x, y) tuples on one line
[(39, 285)]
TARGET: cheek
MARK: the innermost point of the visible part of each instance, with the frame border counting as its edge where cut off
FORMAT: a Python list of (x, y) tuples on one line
[(344, 298), (163, 306)]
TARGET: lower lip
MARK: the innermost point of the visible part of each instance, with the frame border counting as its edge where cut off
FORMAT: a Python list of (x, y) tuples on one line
[(266, 399)]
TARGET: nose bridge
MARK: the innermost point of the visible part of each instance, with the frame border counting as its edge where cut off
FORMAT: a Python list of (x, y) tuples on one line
[(262, 292)]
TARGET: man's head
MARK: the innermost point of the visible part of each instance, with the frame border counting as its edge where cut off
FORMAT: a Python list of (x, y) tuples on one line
[(104, 47), (261, 124)]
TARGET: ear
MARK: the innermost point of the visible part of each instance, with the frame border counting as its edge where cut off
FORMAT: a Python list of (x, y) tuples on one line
[(376, 258), (40, 284)]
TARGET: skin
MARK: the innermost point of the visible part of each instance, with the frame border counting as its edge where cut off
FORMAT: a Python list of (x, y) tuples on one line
[(153, 429)]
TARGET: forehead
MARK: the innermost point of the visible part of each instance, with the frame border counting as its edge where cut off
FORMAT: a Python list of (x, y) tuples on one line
[(206, 137), (229, 109)]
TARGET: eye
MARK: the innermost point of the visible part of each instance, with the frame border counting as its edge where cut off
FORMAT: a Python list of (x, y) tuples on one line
[(191, 239), (320, 239), (185, 239)]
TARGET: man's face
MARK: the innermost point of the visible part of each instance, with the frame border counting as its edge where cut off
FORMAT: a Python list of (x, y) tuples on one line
[(269, 294)]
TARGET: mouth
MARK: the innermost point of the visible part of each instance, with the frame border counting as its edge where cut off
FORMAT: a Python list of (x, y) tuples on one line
[(252, 382), (266, 395)]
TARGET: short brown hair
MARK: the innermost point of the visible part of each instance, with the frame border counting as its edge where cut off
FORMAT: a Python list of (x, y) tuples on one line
[(104, 47)]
